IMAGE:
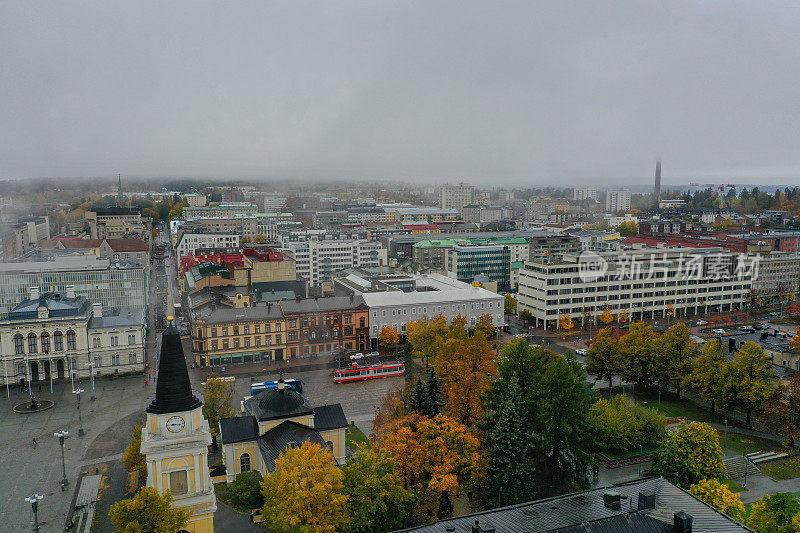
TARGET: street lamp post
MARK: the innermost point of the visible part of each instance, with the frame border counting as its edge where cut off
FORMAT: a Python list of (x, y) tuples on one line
[(91, 373), (33, 499), (62, 435), (78, 392)]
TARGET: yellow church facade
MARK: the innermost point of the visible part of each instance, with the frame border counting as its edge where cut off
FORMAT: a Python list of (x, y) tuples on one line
[(277, 419)]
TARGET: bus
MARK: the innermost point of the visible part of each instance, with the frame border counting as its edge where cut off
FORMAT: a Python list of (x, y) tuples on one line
[(294, 384), (368, 370)]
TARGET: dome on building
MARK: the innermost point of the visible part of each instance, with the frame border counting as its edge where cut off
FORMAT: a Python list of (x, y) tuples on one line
[(274, 404)]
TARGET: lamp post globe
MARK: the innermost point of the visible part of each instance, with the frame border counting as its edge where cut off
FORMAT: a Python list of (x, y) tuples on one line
[(33, 499), (62, 435), (78, 393)]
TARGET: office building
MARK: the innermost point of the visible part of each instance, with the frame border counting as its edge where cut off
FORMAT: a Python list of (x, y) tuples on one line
[(640, 282), (467, 263), (396, 301), (220, 210), (195, 199), (618, 200), (103, 281), (777, 279)]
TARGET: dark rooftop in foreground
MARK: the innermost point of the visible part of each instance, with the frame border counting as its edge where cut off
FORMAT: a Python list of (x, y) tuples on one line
[(650, 506)]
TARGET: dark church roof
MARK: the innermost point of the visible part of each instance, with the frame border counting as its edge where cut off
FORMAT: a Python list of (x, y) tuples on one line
[(277, 403), (329, 417), (288, 433), (173, 390), (238, 429)]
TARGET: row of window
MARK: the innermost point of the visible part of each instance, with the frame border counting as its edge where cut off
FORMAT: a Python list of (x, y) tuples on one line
[(33, 342), (435, 309), (246, 342), (97, 341)]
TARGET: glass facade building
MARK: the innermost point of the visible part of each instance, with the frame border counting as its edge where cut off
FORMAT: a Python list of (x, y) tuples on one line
[(98, 280)]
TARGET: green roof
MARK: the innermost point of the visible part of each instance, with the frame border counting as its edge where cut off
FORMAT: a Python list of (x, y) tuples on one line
[(516, 265)]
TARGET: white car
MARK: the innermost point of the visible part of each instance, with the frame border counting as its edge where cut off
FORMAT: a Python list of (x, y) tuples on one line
[(700, 323), (718, 331), (581, 351)]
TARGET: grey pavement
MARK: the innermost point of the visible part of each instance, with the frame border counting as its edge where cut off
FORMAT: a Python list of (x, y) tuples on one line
[(25, 469)]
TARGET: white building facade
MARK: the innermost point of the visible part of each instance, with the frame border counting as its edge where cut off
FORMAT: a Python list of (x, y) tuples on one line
[(618, 200), (317, 261), (50, 337), (640, 282), (189, 243)]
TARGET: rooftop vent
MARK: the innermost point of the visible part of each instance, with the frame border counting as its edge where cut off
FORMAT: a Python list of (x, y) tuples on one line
[(611, 499), (647, 500), (682, 523)]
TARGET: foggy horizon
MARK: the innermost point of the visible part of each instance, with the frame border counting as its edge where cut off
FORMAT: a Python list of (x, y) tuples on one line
[(501, 94)]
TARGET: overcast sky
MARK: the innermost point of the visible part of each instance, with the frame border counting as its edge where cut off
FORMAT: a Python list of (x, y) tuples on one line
[(505, 93)]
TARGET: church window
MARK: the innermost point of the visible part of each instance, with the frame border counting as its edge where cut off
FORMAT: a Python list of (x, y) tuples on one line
[(244, 462)]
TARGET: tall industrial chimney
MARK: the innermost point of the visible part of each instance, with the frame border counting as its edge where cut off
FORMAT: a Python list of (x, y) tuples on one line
[(657, 190)]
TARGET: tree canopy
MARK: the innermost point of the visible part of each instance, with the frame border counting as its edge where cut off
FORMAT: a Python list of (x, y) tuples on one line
[(148, 512), (690, 454), (305, 492)]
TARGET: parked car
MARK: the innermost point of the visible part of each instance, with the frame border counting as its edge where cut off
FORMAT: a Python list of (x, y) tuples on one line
[(775, 313), (719, 331), (700, 323), (762, 326), (581, 351), (746, 329)]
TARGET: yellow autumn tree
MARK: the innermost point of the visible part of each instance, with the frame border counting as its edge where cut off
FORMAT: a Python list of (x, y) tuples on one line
[(565, 322), (720, 496), (436, 454), (464, 366), (305, 492), (607, 317), (425, 336), (485, 324), (148, 512), (389, 337), (623, 317)]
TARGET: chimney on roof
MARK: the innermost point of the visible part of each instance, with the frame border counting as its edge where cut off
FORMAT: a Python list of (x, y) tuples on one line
[(97, 310), (34, 293), (681, 523), (70, 291), (612, 500), (647, 500)]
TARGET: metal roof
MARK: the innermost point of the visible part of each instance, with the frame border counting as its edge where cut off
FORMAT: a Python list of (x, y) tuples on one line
[(87, 494), (587, 510)]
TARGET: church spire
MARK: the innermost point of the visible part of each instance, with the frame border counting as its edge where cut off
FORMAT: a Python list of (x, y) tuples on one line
[(173, 390)]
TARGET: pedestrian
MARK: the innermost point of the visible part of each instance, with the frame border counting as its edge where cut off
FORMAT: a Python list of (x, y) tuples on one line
[(34, 443)]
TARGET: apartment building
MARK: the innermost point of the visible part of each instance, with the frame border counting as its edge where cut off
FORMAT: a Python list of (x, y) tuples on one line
[(456, 196), (618, 200), (195, 199), (336, 324), (274, 203), (420, 215), (190, 243), (118, 223), (317, 261), (466, 263), (641, 282), (778, 278), (225, 335), (426, 295), (103, 281), (220, 210), (52, 336), (30, 231), (584, 193)]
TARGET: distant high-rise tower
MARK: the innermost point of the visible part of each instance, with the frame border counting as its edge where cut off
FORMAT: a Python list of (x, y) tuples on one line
[(120, 198), (657, 189)]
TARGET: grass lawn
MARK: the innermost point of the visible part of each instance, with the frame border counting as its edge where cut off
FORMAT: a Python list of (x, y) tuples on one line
[(733, 486), (354, 438), (786, 469), (744, 444), (671, 407)]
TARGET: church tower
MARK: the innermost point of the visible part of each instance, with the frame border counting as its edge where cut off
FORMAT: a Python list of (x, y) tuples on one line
[(176, 437)]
